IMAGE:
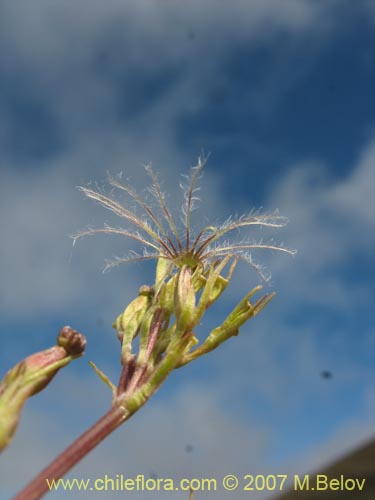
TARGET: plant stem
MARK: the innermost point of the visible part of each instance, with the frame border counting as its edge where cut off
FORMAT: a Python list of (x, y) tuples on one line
[(73, 454)]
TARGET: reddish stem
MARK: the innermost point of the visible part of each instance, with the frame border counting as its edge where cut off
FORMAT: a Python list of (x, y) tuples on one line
[(126, 375), (73, 454)]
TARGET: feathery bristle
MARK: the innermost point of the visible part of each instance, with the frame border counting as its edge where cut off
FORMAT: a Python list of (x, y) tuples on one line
[(165, 241)]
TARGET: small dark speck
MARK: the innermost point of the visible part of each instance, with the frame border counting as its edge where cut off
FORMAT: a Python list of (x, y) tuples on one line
[(326, 374), (188, 448)]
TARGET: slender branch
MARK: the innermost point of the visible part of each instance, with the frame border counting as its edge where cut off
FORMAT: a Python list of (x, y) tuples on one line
[(73, 454)]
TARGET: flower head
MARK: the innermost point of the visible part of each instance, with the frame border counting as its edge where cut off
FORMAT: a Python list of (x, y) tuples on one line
[(160, 236), (189, 279)]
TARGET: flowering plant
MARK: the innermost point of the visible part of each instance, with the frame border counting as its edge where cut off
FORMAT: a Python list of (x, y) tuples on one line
[(192, 271)]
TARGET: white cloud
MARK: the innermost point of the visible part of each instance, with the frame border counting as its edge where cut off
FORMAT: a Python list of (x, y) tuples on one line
[(331, 226), (353, 196), (164, 27), (84, 62)]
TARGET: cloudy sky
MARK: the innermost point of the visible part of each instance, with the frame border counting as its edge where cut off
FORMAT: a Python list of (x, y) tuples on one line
[(279, 94)]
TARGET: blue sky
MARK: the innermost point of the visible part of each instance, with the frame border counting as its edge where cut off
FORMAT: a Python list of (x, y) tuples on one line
[(279, 94)]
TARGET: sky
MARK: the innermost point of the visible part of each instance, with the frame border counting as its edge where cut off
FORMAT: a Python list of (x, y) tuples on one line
[(279, 95)]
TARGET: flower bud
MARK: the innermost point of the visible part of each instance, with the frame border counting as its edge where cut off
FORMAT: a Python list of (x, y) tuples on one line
[(184, 299), (41, 367), (166, 295), (131, 317), (32, 375), (163, 268), (72, 341), (129, 322)]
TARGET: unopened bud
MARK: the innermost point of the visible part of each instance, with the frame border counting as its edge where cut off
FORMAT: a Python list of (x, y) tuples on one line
[(128, 323), (163, 268), (32, 375), (41, 367), (72, 341), (131, 316), (184, 299)]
